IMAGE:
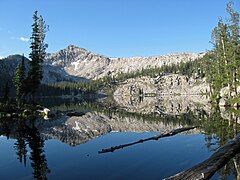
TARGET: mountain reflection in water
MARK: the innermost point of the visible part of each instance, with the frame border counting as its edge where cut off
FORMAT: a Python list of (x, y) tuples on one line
[(100, 119)]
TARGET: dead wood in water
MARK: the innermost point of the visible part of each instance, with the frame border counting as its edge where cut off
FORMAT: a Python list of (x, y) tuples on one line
[(170, 133), (207, 168)]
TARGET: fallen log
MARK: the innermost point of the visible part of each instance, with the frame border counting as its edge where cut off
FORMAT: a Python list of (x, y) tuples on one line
[(207, 168), (166, 134)]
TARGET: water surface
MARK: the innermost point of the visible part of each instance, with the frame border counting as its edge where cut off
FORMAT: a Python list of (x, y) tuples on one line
[(67, 147)]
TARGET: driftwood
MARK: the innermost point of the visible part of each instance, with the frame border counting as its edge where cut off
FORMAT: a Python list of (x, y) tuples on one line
[(166, 134), (207, 168)]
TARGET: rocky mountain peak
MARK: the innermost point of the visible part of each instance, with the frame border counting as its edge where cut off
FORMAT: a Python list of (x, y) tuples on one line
[(72, 47), (69, 55), (78, 61)]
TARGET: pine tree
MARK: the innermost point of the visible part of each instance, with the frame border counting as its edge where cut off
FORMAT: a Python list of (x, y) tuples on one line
[(23, 75), (23, 68), (43, 28), (233, 24), (225, 56), (37, 54), (18, 82), (217, 60)]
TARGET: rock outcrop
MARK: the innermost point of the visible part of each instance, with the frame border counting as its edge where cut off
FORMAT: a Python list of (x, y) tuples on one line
[(173, 84), (136, 86)]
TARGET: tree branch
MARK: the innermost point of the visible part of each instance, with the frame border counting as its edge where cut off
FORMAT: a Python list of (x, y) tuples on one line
[(170, 133)]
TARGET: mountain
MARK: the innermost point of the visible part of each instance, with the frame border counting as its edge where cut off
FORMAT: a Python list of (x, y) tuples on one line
[(7, 69), (9, 64), (82, 63), (51, 73), (78, 64)]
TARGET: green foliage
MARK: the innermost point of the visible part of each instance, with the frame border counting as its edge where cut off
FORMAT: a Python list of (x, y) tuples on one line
[(19, 80), (37, 55), (224, 58)]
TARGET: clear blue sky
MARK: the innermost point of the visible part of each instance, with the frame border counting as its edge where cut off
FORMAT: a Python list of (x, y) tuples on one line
[(115, 28)]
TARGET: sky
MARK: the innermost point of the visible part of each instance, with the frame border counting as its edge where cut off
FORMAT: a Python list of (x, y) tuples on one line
[(114, 28)]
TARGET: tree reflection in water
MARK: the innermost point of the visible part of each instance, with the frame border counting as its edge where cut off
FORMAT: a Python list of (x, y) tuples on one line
[(218, 132), (27, 136), (37, 156), (21, 145)]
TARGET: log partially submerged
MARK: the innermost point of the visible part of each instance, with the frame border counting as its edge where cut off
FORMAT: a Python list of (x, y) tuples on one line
[(207, 168), (166, 134)]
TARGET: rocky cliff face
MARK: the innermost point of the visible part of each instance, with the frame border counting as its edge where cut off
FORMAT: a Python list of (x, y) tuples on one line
[(173, 84)]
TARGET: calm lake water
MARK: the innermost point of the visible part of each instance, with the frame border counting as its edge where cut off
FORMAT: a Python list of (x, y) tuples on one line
[(68, 147)]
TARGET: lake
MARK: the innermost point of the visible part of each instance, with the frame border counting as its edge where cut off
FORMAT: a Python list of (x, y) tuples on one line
[(67, 147)]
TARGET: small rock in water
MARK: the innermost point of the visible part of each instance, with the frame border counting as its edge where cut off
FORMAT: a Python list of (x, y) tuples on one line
[(46, 111)]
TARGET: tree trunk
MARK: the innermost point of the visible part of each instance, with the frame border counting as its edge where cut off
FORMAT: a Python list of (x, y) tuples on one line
[(162, 135), (207, 168)]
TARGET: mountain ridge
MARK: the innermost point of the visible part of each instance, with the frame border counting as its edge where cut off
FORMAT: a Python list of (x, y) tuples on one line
[(78, 64), (81, 62)]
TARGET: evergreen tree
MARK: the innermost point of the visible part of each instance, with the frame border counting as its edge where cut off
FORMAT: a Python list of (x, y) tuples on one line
[(18, 82), (23, 67), (219, 61), (37, 54), (225, 56), (233, 24)]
